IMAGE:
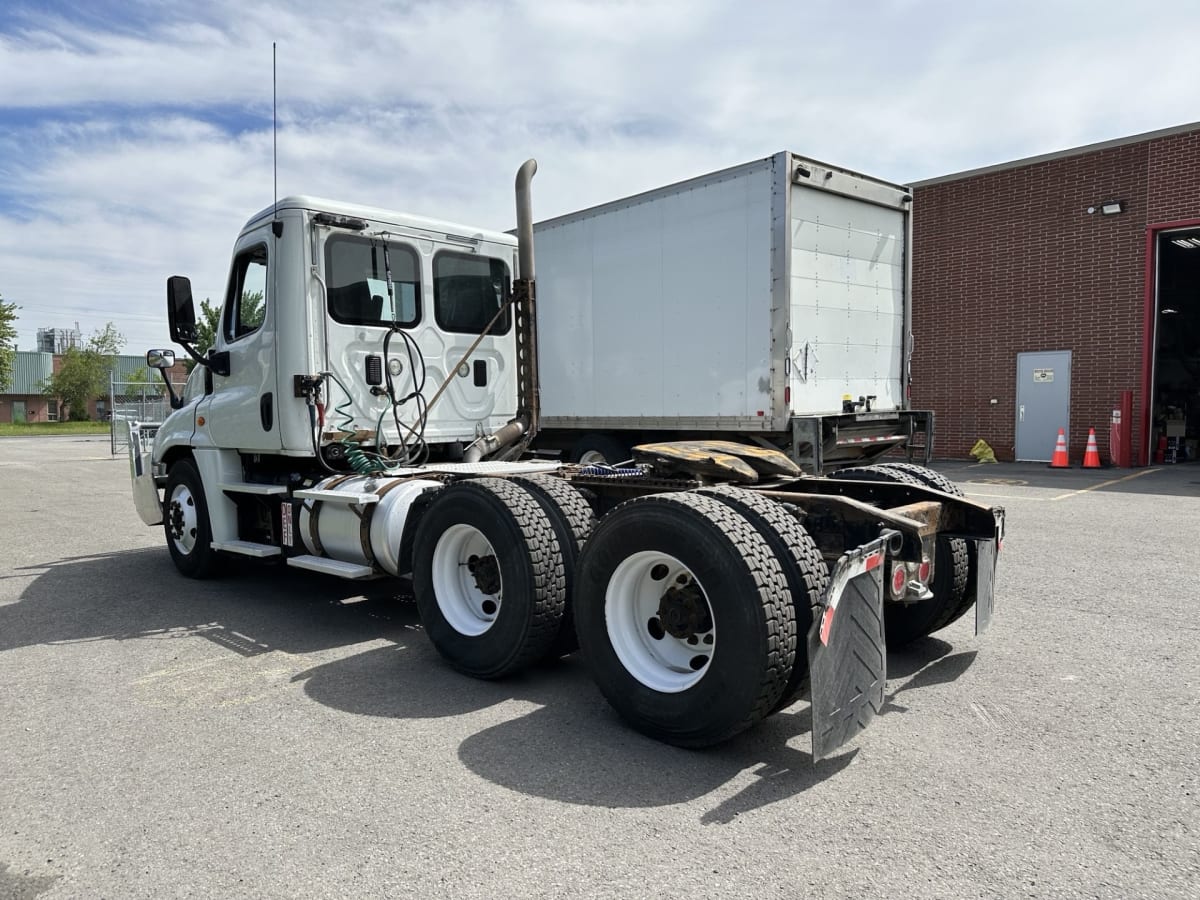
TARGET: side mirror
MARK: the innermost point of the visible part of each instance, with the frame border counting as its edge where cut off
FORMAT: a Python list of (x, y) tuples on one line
[(181, 310), (160, 359)]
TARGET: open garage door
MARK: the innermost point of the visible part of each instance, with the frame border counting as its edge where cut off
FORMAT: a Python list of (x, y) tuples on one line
[(1175, 413)]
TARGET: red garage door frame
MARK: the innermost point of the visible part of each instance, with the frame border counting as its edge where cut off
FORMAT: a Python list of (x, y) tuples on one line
[(1150, 310)]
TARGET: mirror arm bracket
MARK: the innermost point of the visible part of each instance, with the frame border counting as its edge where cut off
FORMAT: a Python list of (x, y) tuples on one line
[(176, 399), (191, 351)]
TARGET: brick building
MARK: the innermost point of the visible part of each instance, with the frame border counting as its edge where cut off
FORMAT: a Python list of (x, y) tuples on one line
[(25, 401), (1086, 262)]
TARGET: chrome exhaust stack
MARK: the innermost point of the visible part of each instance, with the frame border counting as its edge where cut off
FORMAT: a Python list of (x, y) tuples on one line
[(512, 440), (525, 218)]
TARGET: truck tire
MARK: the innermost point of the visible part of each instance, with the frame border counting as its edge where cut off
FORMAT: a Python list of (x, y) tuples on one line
[(906, 622), (572, 519), (804, 569), (940, 482), (597, 448), (928, 477), (488, 577), (186, 523), (684, 618)]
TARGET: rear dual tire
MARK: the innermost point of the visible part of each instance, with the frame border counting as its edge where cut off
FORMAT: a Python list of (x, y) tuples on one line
[(684, 618), (804, 570), (573, 520), (488, 577), (907, 622)]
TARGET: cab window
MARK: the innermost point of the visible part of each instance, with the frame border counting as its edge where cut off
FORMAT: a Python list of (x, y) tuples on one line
[(246, 301), (468, 291), (356, 277)]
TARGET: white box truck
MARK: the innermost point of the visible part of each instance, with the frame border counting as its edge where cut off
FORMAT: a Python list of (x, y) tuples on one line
[(770, 301)]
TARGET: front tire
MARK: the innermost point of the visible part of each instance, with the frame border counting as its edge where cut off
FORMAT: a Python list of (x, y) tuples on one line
[(684, 618), (186, 523), (488, 577)]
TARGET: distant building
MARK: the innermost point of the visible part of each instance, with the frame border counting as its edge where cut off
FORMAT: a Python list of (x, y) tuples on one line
[(24, 400), (58, 340)]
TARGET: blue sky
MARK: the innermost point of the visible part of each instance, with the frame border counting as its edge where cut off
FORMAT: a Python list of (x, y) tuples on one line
[(135, 137)]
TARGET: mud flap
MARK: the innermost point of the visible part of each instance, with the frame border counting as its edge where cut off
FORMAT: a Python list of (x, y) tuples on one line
[(141, 473), (847, 651), (982, 588)]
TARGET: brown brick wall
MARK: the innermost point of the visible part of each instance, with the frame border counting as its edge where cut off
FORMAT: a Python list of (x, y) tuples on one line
[(1010, 261), (37, 407)]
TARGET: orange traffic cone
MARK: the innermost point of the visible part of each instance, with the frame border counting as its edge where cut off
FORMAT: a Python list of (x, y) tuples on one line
[(1091, 456), (1059, 459)]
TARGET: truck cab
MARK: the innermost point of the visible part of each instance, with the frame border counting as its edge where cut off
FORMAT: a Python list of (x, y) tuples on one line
[(377, 307)]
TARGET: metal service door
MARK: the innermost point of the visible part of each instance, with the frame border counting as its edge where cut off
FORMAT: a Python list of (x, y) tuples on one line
[(1043, 402)]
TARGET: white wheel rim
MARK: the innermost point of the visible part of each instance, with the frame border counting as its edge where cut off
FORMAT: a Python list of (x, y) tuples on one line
[(669, 656), (466, 580), (182, 519), (593, 458)]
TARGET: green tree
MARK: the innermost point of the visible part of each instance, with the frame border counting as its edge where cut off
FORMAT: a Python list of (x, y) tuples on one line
[(143, 384), (85, 371), (8, 341), (209, 323)]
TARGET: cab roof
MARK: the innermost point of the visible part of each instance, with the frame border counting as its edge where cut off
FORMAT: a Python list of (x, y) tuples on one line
[(375, 214)]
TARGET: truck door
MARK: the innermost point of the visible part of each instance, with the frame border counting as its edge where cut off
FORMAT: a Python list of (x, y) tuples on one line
[(243, 408)]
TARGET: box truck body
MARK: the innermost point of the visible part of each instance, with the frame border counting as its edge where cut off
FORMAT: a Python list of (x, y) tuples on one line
[(768, 300)]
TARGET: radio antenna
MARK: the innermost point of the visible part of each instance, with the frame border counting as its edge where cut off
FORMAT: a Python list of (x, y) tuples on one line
[(274, 134)]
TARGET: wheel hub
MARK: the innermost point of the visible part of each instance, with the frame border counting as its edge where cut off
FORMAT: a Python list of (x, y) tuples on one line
[(182, 519), (467, 581), (683, 610), (659, 621), (486, 571), (176, 520)]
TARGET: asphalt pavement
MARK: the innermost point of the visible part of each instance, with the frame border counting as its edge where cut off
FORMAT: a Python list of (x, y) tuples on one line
[(282, 734)]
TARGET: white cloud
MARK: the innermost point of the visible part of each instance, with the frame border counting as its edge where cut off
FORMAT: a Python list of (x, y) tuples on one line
[(131, 150)]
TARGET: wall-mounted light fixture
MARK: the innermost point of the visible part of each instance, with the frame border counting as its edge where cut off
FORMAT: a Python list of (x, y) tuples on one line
[(1111, 207)]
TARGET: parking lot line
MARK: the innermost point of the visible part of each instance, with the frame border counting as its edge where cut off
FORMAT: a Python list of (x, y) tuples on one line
[(1104, 484)]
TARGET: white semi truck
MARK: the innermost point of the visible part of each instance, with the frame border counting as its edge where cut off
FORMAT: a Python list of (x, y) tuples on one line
[(769, 302), (366, 413)]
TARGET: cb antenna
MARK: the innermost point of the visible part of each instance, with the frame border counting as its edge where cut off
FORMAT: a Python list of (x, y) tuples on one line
[(276, 225), (274, 133)]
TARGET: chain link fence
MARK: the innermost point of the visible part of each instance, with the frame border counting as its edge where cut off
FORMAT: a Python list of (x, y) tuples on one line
[(135, 401)]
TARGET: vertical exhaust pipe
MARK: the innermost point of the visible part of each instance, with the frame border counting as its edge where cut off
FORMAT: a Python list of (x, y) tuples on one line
[(525, 218), (510, 441)]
